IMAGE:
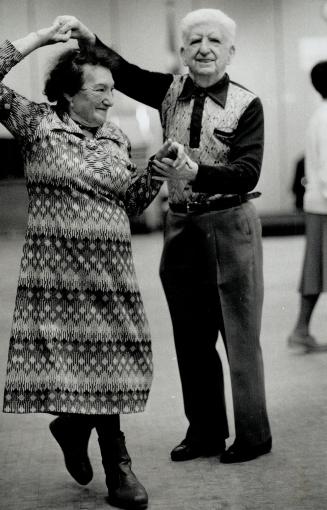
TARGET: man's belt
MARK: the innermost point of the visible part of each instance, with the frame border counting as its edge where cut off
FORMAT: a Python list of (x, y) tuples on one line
[(213, 205)]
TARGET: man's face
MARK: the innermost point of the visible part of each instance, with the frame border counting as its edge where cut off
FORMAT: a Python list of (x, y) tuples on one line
[(207, 51), (90, 105)]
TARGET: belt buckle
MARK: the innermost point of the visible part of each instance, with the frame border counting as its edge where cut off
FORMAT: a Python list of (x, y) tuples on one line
[(192, 206), (195, 206)]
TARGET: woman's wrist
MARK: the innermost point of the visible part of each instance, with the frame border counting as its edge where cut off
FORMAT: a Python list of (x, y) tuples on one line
[(27, 44)]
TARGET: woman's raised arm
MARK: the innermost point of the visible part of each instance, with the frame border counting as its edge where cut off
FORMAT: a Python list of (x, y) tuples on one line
[(42, 37)]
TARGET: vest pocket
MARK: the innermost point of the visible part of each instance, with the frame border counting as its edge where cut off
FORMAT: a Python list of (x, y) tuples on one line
[(225, 137)]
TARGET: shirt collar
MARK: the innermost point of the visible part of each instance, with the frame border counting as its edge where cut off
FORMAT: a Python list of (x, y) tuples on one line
[(217, 92)]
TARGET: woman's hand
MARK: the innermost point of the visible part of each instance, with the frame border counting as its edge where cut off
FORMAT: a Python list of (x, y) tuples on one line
[(42, 37), (172, 162), (76, 29), (53, 34)]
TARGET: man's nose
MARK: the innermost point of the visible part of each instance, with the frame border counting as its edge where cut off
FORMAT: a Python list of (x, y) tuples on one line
[(204, 47)]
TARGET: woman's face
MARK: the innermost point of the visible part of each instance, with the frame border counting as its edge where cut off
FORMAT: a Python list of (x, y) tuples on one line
[(90, 104)]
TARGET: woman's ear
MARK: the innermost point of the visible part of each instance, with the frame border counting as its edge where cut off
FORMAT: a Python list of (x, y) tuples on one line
[(69, 99)]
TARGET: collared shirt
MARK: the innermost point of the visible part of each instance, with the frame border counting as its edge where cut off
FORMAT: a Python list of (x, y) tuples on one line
[(217, 92), (241, 173)]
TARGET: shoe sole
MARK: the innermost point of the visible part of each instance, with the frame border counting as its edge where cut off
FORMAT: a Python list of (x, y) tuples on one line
[(239, 461), (202, 454), (131, 506), (296, 341)]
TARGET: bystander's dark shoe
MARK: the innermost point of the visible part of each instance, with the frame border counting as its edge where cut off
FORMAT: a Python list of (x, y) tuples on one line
[(307, 342), (188, 450), (239, 452), (73, 441)]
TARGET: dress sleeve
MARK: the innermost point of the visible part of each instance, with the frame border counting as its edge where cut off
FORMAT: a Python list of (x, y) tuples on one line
[(242, 172), (148, 87), (141, 191), (19, 115)]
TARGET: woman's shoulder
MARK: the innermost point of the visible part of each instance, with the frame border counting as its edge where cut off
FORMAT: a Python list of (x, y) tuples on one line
[(114, 132)]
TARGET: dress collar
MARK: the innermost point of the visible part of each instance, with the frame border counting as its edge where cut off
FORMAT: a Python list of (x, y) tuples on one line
[(217, 92), (63, 122)]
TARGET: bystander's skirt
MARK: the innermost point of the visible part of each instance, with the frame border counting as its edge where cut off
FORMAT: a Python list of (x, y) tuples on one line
[(314, 275)]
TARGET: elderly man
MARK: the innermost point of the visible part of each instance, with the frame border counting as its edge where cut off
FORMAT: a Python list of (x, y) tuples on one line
[(211, 266)]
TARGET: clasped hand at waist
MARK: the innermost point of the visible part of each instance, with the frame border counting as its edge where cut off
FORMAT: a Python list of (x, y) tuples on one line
[(172, 163)]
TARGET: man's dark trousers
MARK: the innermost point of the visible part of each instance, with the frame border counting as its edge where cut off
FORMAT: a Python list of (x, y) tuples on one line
[(211, 271)]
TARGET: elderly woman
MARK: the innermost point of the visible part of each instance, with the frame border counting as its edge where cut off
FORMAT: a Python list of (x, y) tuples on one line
[(80, 343)]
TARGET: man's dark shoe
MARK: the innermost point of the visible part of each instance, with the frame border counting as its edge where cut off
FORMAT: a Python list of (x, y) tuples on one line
[(242, 453), (73, 443), (187, 450)]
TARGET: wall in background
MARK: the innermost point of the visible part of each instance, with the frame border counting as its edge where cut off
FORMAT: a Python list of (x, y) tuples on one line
[(267, 61)]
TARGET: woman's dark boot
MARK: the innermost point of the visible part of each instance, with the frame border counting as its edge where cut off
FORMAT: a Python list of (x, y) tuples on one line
[(72, 434), (125, 491)]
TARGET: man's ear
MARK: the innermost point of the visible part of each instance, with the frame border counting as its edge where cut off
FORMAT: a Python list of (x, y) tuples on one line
[(182, 54), (231, 53)]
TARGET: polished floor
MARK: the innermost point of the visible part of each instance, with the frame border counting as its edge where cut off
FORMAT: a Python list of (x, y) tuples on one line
[(292, 477)]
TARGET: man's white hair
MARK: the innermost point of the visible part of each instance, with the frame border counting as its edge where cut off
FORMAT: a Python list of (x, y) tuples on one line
[(205, 15)]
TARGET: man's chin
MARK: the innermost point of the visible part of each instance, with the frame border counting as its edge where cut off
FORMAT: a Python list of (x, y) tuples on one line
[(206, 69)]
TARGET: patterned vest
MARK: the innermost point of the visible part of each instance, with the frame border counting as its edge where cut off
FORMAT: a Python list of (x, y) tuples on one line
[(217, 131)]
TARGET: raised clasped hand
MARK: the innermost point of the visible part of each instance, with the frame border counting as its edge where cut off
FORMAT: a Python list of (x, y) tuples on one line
[(172, 163), (53, 34), (74, 28)]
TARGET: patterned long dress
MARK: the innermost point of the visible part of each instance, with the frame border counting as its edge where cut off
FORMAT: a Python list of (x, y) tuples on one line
[(80, 340)]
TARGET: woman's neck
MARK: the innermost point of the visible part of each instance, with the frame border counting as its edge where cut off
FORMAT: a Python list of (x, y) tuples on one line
[(89, 131)]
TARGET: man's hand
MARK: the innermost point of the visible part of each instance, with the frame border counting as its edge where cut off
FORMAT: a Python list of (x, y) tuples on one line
[(172, 162), (76, 30)]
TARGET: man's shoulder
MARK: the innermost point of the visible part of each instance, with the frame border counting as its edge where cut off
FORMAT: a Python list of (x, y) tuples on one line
[(178, 80), (243, 97), (175, 89), (237, 87)]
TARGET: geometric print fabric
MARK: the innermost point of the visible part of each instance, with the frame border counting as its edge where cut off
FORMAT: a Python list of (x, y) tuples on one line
[(80, 340)]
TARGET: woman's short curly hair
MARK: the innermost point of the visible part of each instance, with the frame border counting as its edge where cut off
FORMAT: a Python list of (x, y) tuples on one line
[(66, 75)]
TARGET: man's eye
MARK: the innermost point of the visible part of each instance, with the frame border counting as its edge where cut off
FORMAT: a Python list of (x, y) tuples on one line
[(214, 40), (195, 41)]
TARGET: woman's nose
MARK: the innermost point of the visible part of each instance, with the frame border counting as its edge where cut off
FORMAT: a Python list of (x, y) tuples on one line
[(108, 100)]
